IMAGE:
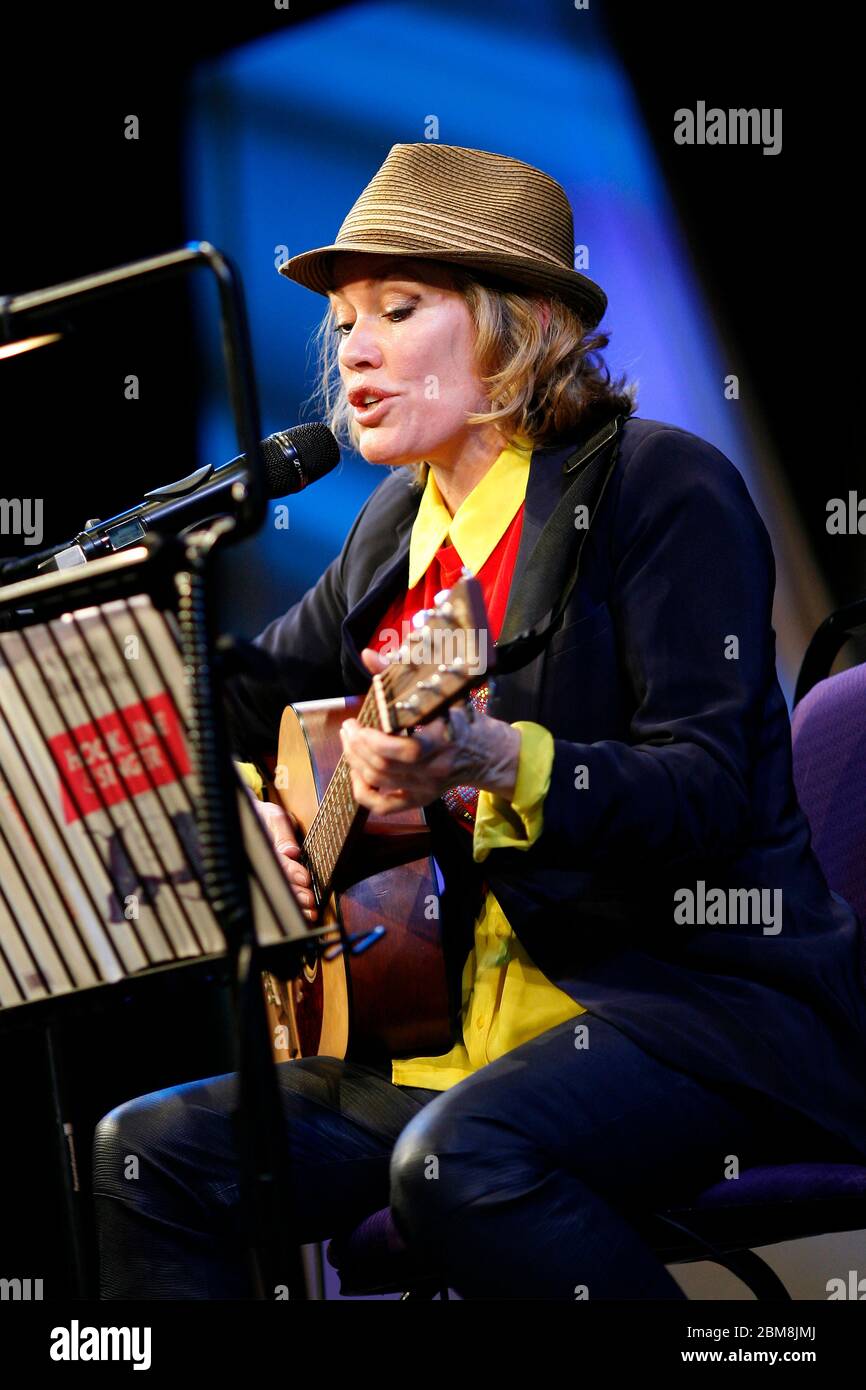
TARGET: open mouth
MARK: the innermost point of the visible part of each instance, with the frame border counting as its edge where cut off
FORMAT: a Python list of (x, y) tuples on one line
[(368, 411)]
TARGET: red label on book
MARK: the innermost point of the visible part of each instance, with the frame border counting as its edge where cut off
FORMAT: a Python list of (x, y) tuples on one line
[(122, 754)]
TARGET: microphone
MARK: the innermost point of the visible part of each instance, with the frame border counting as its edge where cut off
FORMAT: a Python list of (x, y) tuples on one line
[(293, 459)]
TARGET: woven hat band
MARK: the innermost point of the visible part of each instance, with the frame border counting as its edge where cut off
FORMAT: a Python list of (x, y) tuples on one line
[(428, 231)]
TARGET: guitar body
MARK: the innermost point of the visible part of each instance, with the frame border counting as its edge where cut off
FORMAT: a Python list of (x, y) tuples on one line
[(390, 999)]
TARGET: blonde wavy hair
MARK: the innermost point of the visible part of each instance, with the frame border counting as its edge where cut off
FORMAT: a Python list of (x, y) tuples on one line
[(544, 382)]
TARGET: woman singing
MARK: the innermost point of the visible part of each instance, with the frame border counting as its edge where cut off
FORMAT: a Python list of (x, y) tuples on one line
[(656, 987)]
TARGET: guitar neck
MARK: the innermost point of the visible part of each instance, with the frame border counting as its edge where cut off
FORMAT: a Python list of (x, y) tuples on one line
[(339, 818), (434, 669)]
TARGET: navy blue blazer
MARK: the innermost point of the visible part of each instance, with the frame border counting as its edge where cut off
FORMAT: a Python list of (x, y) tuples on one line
[(672, 770)]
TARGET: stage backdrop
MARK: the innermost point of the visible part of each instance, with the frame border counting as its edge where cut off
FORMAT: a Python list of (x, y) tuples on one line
[(284, 133)]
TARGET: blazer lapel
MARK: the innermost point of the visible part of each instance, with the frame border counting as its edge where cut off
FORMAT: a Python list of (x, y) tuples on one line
[(515, 693)]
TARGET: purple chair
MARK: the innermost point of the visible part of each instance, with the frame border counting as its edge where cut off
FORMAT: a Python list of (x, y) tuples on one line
[(767, 1204)]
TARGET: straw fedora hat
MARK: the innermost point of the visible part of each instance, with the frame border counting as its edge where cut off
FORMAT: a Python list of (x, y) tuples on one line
[(466, 207)]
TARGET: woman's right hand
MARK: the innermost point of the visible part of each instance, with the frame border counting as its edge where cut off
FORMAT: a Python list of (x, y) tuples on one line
[(283, 835)]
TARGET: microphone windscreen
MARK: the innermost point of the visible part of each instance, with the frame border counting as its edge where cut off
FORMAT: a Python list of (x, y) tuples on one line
[(299, 456)]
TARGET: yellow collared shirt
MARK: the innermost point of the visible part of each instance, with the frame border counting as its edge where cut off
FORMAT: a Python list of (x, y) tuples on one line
[(506, 1000), (252, 777), (481, 520)]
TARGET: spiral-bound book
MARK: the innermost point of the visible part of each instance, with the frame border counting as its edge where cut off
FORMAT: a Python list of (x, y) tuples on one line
[(100, 867)]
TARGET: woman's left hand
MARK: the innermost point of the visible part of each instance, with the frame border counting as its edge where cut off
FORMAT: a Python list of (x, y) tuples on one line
[(393, 771)]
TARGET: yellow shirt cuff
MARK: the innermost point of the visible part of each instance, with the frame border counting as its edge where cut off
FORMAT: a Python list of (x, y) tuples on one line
[(253, 778), (517, 824)]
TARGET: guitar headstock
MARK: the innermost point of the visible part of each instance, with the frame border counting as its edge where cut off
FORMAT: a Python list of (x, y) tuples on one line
[(444, 655)]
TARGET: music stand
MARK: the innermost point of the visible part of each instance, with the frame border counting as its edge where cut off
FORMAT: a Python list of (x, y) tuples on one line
[(223, 855)]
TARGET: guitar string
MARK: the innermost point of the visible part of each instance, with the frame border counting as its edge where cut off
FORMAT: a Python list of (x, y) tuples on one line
[(320, 830), (320, 833), (339, 789)]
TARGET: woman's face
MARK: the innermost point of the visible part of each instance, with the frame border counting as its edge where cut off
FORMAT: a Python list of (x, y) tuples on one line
[(406, 337)]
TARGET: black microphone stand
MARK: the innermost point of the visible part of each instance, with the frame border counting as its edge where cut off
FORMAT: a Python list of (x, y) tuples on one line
[(275, 1262)]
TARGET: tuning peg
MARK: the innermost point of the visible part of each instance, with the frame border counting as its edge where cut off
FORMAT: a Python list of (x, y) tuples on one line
[(444, 607), (442, 599)]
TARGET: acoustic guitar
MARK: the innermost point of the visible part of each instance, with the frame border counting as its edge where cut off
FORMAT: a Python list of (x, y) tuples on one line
[(377, 988)]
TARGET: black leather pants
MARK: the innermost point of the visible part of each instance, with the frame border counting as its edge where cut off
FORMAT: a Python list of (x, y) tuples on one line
[(517, 1181)]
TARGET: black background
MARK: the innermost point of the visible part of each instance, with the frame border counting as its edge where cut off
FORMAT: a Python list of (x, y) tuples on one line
[(772, 237)]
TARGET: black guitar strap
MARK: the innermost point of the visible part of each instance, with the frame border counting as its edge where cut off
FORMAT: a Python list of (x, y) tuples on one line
[(592, 464)]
